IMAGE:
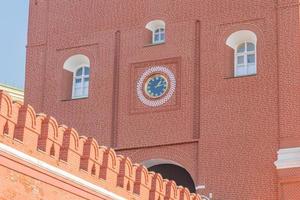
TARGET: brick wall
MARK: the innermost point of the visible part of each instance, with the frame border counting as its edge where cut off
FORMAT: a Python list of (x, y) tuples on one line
[(224, 130), (35, 152)]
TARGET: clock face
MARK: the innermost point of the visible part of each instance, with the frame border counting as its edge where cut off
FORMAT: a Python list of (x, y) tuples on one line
[(156, 86)]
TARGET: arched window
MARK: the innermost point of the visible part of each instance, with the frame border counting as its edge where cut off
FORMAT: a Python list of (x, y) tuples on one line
[(79, 66), (245, 59), (81, 82), (159, 35), (157, 27), (244, 44)]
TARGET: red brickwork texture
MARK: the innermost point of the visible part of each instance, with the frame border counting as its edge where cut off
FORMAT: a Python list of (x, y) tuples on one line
[(41, 137), (230, 128), (290, 190), (18, 186)]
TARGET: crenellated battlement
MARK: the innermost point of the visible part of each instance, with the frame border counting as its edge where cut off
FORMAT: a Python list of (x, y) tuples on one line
[(40, 136)]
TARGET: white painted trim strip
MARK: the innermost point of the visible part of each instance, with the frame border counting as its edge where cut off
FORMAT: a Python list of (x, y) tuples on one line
[(43, 165), (200, 187), (288, 158)]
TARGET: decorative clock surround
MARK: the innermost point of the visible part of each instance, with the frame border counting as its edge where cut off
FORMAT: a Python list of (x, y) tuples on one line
[(144, 73), (156, 86)]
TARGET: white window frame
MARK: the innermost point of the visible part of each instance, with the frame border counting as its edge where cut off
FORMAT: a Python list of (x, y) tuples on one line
[(155, 25), (237, 38), (72, 64), (82, 77), (245, 64), (161, 33)]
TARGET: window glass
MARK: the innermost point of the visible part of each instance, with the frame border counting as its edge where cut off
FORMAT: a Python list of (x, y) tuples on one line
[(79, 72), (86, 92), (81, 82), (86, 71), (241, 71), (162, 36), (251, 58), (240, 60), (241, 48), (159, 35), (251, 69), (250, 46), (78, 80), (86, 80), (86, 86), (77, 86), (76, 92), (156, 37)]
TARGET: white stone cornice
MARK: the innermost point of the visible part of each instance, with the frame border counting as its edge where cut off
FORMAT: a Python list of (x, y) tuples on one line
[(15, 93), (61, 173), (288, 158)]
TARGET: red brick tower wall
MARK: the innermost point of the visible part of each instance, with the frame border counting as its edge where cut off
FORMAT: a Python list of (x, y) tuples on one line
[(223, 130)]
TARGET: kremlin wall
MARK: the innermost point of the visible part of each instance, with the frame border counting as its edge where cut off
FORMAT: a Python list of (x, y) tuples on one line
[(40, 159)]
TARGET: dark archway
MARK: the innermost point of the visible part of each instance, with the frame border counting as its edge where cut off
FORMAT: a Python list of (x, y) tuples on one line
[(176, 173)]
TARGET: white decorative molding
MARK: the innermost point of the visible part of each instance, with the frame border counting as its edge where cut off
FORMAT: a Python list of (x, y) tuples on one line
[(166, 97), (54, 170), (15, 93), (153, 162), (241, 36), (288, 158), (155, 24), (203, 197), (76, 61), (200, 187)]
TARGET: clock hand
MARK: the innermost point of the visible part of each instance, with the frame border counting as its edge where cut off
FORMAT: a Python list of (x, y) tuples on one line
[(159, 84)]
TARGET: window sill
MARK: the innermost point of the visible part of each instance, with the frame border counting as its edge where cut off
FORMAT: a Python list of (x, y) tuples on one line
[(243, 76), (154, 44), (79, 98)]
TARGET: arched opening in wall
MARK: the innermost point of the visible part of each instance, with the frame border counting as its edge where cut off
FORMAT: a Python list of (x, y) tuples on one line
[(76, 77), (172, 171)]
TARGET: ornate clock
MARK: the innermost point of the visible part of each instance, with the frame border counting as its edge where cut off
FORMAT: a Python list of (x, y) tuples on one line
[(156, 86)]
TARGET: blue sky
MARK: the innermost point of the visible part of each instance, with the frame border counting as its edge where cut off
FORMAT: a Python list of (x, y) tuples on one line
[(13, 39)]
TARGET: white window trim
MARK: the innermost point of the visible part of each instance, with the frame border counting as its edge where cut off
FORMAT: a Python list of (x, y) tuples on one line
[(159, 41), (153, 26), (288, 158), (82, 82), (72, 64), (245, 55), (237, 38)]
